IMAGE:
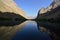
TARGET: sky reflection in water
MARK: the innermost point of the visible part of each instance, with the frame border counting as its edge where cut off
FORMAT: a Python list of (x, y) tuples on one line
[(30, 32)]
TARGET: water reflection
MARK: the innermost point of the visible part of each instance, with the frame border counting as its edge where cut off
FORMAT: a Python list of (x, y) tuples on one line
[(52, 29), (31, 32), (6, 32)]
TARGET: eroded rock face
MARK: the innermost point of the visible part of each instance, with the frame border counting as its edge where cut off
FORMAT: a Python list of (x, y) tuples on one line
[(53, 5), (10, 6), (43, 10), (49, 10)]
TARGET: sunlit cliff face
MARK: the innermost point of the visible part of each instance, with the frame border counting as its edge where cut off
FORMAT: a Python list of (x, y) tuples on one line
[(10, 6), (56, 3)]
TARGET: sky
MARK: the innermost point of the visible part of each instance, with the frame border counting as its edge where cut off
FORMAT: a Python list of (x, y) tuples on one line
[(31, 7)]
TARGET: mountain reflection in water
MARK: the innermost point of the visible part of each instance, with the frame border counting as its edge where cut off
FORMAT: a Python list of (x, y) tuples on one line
[(7, 32), (28, 30)]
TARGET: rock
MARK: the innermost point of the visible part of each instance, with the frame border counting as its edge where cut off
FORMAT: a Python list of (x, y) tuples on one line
[(51, 11), (55, 3), (10, 6), (43, 10)]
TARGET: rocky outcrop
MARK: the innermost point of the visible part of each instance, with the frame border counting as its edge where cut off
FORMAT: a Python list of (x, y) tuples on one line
[(53, 14), (10, 6), (50, 12), (55, 3), (43, 10)]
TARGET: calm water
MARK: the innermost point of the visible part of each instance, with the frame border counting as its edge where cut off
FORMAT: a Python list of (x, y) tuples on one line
[(28, 30)]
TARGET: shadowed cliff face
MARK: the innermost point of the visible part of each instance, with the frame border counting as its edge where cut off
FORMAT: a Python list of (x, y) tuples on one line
[(10, 19), (10, 6)]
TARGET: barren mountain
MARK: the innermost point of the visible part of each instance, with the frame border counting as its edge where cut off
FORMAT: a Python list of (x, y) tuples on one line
[(53, 5), (10, 6), (50, 11)]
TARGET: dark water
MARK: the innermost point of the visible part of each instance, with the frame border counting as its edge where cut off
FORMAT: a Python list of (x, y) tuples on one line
[(30, 31)]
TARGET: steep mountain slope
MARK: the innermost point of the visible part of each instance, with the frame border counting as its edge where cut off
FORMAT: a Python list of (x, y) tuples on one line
[(10, 6), (50, 12)]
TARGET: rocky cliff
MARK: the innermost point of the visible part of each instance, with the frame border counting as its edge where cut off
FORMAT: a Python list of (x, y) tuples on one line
[(51, 11), (10, 6)]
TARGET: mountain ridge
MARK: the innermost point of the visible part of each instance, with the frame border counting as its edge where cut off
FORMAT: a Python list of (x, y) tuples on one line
[(44, 12), (10, 6)]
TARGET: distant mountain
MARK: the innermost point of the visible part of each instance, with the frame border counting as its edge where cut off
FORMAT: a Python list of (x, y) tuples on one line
[(10, 6), (50, 12)]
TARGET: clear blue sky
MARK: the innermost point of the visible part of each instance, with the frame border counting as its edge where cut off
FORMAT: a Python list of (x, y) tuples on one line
[(31, 7)]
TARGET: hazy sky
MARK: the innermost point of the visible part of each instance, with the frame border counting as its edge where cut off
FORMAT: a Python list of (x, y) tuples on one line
[(31, 7)]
